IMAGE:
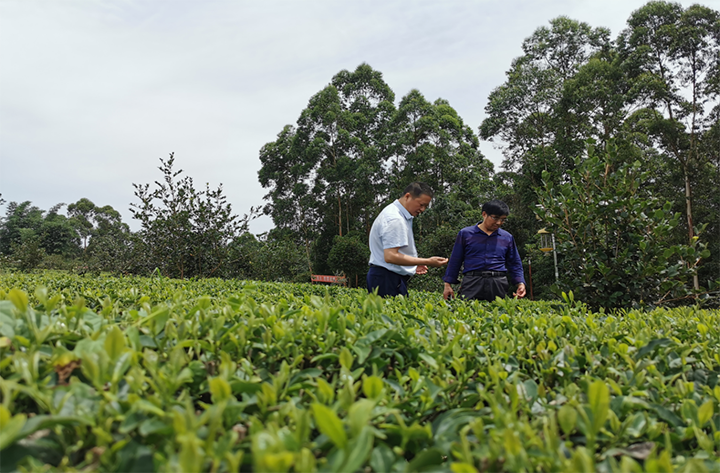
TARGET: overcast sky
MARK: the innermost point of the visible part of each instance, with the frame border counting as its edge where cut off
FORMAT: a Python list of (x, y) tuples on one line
[(93, 93)]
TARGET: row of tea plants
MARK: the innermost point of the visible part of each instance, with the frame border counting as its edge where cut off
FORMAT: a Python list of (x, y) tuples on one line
[(131, 374)]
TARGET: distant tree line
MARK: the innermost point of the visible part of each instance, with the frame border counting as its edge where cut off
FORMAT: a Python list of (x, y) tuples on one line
[(612, 145), (184, 232)]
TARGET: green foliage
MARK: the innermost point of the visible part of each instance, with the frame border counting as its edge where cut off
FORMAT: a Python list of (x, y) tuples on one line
[(28, 253), (615, 241), (349, 255), (185, 232), (326, 176), (653, 92), (270, 257), (155, 374), (26, 226), (18, 217)]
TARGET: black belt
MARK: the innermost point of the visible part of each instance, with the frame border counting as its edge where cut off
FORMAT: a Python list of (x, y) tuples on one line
[(487, 274)]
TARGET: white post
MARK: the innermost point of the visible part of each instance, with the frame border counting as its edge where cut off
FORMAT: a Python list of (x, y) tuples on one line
[(552, 235)]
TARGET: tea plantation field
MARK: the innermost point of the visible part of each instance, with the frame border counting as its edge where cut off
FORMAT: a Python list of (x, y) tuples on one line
[(132, 374)]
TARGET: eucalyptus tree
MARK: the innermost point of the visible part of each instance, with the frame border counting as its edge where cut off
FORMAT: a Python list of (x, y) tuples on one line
[(19, 216), (92, 221), (326, 175), (434, 145), (344, 133), (524, 112), (29, 234), (675, 54), (292, 203), (546, 109)]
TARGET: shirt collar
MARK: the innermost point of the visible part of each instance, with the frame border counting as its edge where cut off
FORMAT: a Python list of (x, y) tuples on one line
[(476, 229), (403, 210)]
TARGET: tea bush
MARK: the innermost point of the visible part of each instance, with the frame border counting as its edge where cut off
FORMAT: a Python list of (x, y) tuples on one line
[(153, 374)]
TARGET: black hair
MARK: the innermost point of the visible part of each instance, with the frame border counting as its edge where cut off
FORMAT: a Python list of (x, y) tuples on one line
[(496, 207), (416, 189)]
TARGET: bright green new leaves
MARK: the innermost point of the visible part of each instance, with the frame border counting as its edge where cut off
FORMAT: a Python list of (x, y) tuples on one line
[(372, 387), (114, 343), (329, 424), (599, 401), (19, 299), (10, 426), (567, 417), (222, 376), (220, 389)]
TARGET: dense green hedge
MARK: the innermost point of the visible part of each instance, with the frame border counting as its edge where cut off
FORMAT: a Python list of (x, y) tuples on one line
[(153, 374)]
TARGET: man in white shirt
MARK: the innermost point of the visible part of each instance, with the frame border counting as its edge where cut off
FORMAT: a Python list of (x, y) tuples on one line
[(393, 257)]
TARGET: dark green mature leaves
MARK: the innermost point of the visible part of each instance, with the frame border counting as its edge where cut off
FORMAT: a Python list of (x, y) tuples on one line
[(614, 241)]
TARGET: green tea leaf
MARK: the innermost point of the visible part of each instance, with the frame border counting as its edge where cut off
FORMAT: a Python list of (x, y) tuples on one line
[(599, 400), (346, 359), (705, 413), (359, 415), (114, 343), (359, 450), (5, 416), (382, 458), (427, 458), (219, 389), (11, 428), (458, 467), (429, 360), (329, 424), (567, 417), (19, 299), (372, 387)]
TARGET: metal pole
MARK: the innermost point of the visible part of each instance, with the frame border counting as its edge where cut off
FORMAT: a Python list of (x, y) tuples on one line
[(530, 278), (552, 235)]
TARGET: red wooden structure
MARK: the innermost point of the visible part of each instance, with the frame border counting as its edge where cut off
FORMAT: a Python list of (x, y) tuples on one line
[(328, 279)]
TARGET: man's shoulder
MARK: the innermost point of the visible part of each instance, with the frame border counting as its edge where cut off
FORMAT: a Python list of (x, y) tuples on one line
[(470, 229), (504, 233), (391, 212)]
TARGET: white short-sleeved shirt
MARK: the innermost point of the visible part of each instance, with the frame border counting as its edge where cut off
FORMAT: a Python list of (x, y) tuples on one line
[(392, 229)]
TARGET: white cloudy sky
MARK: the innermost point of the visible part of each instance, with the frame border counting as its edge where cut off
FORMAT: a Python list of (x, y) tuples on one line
[(94, 92)]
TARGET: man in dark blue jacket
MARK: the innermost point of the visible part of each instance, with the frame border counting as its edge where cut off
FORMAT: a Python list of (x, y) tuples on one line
[(489, 258)]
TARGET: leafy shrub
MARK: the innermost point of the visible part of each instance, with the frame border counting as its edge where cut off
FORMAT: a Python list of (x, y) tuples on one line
[(616, 242), (349, 255)]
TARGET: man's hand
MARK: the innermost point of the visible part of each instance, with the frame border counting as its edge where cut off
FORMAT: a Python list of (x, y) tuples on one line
[(421, 269), (448, 292), (520, 291), (393, 256), (437, 261)]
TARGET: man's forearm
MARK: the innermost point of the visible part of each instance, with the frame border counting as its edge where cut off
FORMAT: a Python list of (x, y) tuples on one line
[(403, 260)]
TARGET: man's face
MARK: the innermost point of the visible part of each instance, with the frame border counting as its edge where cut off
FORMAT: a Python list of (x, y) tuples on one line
[(417, 205), (493, 222)]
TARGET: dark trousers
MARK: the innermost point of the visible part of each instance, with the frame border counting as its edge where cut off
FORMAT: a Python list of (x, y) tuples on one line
[(388, 283), (484, 286)]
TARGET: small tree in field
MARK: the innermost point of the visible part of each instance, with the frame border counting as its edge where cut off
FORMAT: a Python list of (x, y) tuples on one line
[(185, 232), (615, 241)]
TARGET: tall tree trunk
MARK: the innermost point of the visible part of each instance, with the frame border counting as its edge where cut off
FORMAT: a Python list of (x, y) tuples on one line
[(339, 214), (688, 210)]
